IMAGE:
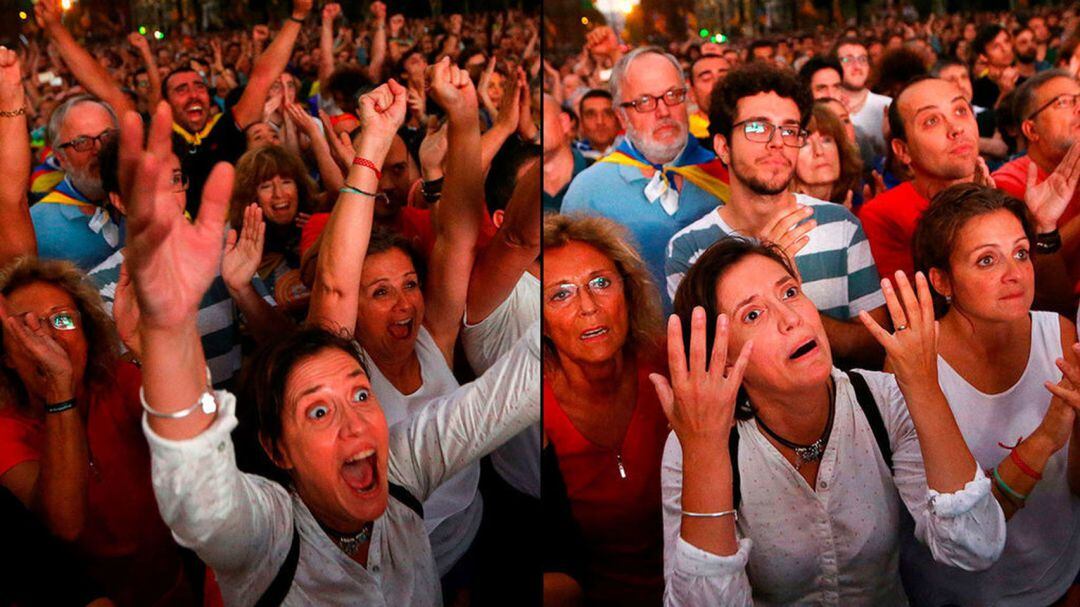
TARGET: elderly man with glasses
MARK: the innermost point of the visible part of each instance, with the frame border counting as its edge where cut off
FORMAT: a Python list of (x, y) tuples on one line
[(1049, 115), (757, 121), (659, 179)]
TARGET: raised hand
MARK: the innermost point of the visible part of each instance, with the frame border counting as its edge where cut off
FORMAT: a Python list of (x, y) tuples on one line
[(260, 33), (397, 21), (452, 88), (869, 192), (330, 12), (139, 41), (699, 401), (602, 41), (982, 174), (51, 376), (485, 82), (786, 232), (298, 116), (433, 150), (1064, 412), (48, 13), (509, 112), (301, 8), (1049, 199), (172, 262), (417, 102), (526, 125), (243, 250), (382, 112), (911, 350), (126, 312), (11, 88)]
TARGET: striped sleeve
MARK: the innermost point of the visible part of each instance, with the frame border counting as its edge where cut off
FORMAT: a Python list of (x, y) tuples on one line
[(864, 284)]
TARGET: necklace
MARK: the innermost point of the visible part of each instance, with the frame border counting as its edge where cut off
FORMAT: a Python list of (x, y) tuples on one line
[(806, 453), (349, 543)]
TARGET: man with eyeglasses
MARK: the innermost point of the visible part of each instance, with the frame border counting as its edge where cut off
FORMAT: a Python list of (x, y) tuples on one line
[(208, 139), (758, 120), (1049, 115), (659, 179), (867, 107)]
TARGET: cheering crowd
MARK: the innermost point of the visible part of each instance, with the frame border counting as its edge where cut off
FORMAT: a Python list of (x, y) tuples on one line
[(866, 243), (270, 306)]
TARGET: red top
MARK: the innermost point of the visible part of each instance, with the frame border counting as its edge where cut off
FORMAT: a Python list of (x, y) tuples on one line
[(1012, 178), (889, 221), (129, 548), (620, 519)]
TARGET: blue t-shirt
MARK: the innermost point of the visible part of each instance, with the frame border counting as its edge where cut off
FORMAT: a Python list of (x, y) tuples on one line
[(66, 231)]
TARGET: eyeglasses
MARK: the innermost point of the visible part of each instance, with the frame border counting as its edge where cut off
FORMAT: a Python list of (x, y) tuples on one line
[(179, 182), (64, 320), (759, 131), (861, 59), (647, 103), (564, 295), (86, 143), (1065, 101)]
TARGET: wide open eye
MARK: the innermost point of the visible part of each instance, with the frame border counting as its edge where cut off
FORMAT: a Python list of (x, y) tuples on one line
[(318, 412)]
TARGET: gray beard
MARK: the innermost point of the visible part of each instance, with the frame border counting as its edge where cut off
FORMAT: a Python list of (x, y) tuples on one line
[(88, 186), (653, 152)]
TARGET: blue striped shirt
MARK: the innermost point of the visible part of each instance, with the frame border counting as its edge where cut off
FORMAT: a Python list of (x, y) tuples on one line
[(837, 268)]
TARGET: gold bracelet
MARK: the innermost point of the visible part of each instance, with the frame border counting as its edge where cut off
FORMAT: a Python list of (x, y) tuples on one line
[(19, 112)]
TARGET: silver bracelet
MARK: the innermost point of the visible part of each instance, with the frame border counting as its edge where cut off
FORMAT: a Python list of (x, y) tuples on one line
[(734, 514), (206, 402)]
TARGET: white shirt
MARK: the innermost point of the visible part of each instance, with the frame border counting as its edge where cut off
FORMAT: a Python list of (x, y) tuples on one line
[(1040, 560), (241, 525), (518, 461), (837, 544), (868, 122), (453, 512)]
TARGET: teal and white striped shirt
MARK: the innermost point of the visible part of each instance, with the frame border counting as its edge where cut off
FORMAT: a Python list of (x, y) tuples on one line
[(837, 268)]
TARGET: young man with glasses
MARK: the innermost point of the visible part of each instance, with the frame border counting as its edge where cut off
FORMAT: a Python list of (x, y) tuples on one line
[(758, 120), (867, 108), (1049, 117), (659, 179)]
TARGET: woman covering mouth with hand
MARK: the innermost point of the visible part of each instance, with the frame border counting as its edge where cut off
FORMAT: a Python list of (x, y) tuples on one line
[(784, 479), (348, 530)]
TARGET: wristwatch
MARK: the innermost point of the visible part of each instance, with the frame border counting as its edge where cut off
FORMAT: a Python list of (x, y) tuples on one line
[(1048, 243)]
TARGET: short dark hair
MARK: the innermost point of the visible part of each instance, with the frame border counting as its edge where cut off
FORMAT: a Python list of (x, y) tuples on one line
[(698, 288), (945, 63), (595, 94), (690, 72), (949, 210), (502, 176), (897, 68), (165, 80), (985, 36), (896, 122), (756, 44), (815, 65), (750, 79), (835, 51), (349, 82)]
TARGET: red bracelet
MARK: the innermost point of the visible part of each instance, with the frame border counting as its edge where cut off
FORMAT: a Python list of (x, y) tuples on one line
[(364, 162), (1026, 469)]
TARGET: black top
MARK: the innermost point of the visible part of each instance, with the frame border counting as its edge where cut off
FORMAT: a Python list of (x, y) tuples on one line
[(224, 143)]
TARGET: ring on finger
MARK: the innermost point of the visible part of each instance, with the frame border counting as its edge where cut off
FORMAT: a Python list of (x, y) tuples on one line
[(900, 328)]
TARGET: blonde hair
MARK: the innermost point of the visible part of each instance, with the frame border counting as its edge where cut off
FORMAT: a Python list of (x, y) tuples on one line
[(611, 239)]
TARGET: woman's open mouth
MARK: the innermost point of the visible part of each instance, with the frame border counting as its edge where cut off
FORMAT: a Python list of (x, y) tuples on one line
[(803, 350), (360, 472)]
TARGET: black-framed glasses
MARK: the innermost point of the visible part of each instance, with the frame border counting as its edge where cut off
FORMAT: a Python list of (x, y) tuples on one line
[(1064, 101), (179, 182), (759, 131), (647, 103), (85, 143)]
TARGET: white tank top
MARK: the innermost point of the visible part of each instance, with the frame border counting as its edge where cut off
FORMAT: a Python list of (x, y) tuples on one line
[(1042, 550), (452, 513)]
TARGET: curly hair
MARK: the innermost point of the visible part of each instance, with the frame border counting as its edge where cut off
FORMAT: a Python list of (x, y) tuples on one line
[(263, 164), (611, 239), (103, 344), (750, 79)]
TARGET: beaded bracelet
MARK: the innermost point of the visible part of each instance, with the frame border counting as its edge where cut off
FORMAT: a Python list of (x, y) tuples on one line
[(13, 113)]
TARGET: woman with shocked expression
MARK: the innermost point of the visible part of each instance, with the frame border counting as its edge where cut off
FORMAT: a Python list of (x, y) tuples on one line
[(810, 451), (1008, 373), (602, 420)]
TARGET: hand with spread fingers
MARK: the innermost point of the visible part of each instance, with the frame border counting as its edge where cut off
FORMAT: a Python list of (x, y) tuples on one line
[(243, 249), (125, 311), (699, 401), (172, 261), (1063, 415), (1048, 200), (791, 230), (911, 349)]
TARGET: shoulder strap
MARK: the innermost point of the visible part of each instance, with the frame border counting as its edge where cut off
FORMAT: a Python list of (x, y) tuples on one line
[(873, 415), (403, 495), (733, 451), (279, 587)]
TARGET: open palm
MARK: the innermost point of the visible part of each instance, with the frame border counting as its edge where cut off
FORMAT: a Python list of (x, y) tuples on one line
[(172, 261)]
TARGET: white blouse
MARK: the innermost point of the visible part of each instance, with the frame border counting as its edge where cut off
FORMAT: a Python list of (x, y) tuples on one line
[(241, 525), (837, 544)]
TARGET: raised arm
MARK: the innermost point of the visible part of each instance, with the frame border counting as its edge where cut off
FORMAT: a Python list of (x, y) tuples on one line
[(329, 171), (243, 252), (513, 250), (172, 263), (378, 41), (506, 122), (141, 44), (336, 290), (459, 213), (269, 66), (330, 12), (82, 64), (16, 229)]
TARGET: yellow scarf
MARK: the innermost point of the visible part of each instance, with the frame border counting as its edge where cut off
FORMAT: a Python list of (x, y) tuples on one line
[(197, 138)]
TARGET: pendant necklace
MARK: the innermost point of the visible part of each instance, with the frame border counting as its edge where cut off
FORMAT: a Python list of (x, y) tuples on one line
[(806, 453), (350, 543)]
